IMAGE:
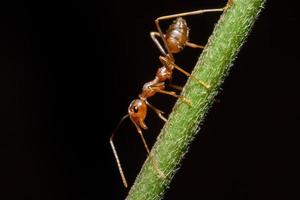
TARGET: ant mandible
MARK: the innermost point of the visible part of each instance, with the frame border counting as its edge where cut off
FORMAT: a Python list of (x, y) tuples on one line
[(175, 39)]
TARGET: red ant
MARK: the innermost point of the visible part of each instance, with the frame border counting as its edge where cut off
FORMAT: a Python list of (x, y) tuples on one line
[(175, 39)]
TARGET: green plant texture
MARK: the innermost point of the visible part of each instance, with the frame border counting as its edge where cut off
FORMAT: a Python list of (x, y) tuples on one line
[(212, 67)]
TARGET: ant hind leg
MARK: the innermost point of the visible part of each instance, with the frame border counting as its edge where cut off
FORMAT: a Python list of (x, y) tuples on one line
[(154, 36)]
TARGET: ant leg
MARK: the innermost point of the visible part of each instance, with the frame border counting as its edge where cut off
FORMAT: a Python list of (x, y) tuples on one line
[(172, 93), (229, 3), (177, 87), (153, 160), (157, 111), (162, 36), (196, 12), (154, 36), (189, 75), (170, 64), (116, 154), (192, 45)]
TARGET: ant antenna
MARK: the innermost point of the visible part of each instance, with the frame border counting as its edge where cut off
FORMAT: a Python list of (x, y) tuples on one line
[(115, 152)]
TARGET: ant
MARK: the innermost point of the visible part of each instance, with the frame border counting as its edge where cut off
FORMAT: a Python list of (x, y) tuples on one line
[(137, 112), (175, 39)]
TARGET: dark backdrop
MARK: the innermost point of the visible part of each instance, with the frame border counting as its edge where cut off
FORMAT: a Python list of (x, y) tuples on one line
[(70, 69)]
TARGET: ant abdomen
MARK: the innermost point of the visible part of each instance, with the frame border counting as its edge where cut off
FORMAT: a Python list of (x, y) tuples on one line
[(177, 35)]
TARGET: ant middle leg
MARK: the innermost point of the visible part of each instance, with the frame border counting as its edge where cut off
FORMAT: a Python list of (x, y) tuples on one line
[(172, 93), (193, 45), (167, 62), (174, 86), (207, 86)]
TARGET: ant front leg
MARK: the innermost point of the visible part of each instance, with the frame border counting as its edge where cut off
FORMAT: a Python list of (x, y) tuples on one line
[(157, 111), (152, 159)]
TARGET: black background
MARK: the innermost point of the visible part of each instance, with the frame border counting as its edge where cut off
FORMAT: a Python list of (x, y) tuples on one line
[(70, 69)]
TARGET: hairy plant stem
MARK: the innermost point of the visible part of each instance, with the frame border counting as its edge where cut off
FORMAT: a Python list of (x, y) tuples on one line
[(182, 125)]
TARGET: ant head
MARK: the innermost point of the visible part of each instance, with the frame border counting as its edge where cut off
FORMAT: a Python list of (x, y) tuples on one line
[(137, 111)]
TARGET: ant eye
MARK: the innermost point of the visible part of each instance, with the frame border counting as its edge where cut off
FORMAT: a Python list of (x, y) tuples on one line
[(135, 109)]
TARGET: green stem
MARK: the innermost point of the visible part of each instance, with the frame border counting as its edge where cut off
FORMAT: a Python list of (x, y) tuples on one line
[(181, 128)]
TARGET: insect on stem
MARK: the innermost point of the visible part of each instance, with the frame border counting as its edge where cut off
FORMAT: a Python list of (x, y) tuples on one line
[(174, 41)]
